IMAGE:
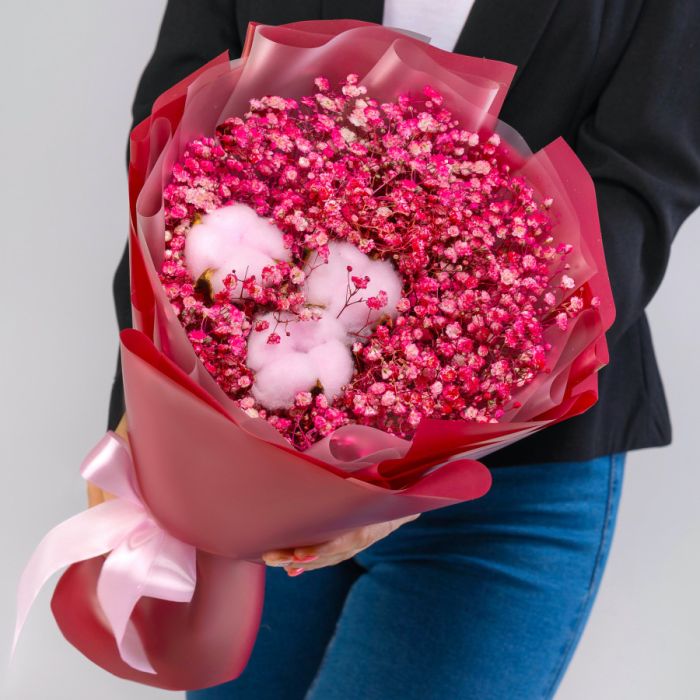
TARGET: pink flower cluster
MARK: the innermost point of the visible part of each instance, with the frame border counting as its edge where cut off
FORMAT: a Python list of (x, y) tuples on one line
[(402, 182)]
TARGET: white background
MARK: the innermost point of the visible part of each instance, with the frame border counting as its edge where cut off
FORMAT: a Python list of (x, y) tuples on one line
[(69, 71)]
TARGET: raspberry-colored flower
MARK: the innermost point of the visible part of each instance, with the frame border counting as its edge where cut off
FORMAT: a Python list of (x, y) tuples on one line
[(336, 259)]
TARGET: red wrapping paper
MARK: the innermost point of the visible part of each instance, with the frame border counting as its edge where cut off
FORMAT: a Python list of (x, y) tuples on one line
[(229, 484)]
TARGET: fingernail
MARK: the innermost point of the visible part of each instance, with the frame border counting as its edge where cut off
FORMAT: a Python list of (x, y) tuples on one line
[(306, 557), (295, 572), (278, 562)]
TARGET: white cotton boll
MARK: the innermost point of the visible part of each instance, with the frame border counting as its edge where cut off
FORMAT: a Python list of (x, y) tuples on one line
[(259, 351), (334, 366), (308, 334), (224, 233), (318, 350), (327, 285), (206, 247), (276, 384), (281, 379), (303, 335), (314, 350), (244, 224), (384, 277)]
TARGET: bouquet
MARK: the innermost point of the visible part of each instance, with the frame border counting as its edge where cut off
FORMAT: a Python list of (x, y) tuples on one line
[(350, 281)]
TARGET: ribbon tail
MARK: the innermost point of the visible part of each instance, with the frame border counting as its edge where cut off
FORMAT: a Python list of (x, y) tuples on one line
[(173, 575), (148, 563), (132, 651), (83, 536)]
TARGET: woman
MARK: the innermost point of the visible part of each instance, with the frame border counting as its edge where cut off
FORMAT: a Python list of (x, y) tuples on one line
[(488, 599)]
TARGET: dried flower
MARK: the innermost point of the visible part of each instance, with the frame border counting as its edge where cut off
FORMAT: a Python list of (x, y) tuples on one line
[(412, 234)]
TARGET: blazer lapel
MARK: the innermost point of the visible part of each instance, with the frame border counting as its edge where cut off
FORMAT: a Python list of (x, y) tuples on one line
[(505, 30)]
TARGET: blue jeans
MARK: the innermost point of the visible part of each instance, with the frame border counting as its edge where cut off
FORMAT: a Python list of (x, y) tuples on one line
[(485, 599)]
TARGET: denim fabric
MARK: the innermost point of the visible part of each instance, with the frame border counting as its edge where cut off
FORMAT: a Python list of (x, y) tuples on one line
[(484, 600)]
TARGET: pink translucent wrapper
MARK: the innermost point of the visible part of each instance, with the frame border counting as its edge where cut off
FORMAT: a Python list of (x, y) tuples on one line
[(231, 485)]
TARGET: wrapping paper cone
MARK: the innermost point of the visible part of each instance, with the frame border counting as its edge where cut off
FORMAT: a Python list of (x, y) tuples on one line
[(213, 485)]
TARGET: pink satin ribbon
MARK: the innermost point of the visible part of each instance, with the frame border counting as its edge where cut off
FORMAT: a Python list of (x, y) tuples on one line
[(143, 560)]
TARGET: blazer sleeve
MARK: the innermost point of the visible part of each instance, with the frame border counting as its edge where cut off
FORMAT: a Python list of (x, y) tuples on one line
[(641, 146), (191, 33)]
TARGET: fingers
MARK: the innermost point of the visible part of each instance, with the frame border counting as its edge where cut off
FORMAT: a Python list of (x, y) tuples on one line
[(278, 557), (95, 495), (298, 567), (121, 428), (343, 543), (298, 559)]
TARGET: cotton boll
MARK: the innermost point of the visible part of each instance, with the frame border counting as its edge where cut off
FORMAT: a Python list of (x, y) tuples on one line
[(278, 382), (223, 235), (261, 353), (334, 366), (303, 335), (318, 350), (206, 247), (327, 285), (382, 276), (281, 379), (306, 335), (243, 223)]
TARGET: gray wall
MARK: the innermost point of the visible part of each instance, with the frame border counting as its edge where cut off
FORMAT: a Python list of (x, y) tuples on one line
[(69, 73)]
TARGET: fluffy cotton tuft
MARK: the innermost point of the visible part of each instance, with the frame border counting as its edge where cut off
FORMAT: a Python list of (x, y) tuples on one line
[(326, 285), (277, 383), (314, 351), (233, 238), (334, 365), (319, 350), (303, 336)]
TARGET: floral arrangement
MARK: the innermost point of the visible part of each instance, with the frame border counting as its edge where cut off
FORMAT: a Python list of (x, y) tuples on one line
[(339, 259)]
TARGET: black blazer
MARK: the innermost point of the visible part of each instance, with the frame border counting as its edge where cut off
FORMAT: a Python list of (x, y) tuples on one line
[(619, 80)]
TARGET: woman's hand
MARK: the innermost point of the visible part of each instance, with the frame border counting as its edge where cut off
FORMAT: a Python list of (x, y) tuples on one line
[(95, 494), (300, 559)]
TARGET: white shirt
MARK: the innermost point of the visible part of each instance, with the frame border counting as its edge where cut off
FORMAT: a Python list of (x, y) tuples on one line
[(441, 20)]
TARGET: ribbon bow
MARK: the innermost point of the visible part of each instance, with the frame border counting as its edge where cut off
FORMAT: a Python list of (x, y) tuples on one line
[(143, 560)]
